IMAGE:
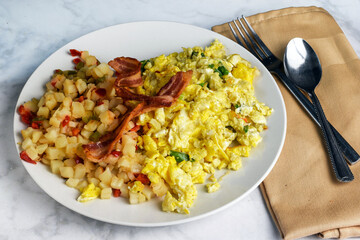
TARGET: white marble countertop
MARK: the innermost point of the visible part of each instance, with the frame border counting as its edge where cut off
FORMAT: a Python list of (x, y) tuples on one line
[(31, 30)]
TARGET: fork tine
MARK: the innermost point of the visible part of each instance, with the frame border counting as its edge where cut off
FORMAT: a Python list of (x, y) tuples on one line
[(258, 39), (235, 35), (249, 47), (255, 46)]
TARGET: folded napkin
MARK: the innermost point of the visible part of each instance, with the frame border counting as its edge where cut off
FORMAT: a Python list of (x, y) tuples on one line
[(301, 192)]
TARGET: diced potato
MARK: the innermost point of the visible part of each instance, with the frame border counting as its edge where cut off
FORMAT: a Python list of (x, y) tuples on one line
[(148, 193), (89, 105), (81, 185), (124, 190), (129, 146), (104, 68), (61, 141), (89, 166), (103, 185), (69, 162), (66, 172), (105, 176), (50, 101), (82, 140), (84, 54), (31, 105), (90, 60), (41, 148), (101, 108), (159, 188), (81, 86), (55, 166), (107, 117), (45, 161), (78, 110), (67, 102), (121, 108), (116, 183), (41, 102), (70, 150), (36, 136), (95, 181), (72, 182), (91, 125), (27, 133), (59, 96), (85, 133), (102, 128), (135, 198), (53, 153), (98, 171), (96, 73), (71, 140), (32, 153), (80, 171), (52, 134), (123, 176), (43, 112), (106, 193), (54, 121), (69, 88), (27, 143)]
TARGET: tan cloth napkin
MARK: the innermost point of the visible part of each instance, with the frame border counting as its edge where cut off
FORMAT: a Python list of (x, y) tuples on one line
[(301, 191)]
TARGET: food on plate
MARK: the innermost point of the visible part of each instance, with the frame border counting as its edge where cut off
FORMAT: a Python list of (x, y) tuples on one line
[(146, 129)]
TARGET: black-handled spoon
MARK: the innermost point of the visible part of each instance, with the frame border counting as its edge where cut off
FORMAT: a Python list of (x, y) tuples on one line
[(302, 66)]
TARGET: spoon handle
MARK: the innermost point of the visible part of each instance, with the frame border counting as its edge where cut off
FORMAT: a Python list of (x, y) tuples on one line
[(349, 152), (341, 169)]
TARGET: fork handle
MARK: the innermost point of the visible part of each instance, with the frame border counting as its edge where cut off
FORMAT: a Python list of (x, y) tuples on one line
[(351, 155)]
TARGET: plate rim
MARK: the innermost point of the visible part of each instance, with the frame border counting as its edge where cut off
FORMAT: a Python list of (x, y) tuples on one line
[(164, 223)]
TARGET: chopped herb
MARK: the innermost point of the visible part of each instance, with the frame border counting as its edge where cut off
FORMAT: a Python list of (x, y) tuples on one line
[(236, 105), (79, 65), (223, 70), (69, 72), (218, 71), (246, 128), (95, 136), (202, 54), (100, 80), (231, 128), (179, 156), (202, 84), (194, 54), (88, 119), (181, 97), (143, 63), (211, 65)]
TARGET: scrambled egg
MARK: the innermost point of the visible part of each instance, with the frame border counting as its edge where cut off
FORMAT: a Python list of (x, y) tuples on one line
[(90, 192), (215, 122)]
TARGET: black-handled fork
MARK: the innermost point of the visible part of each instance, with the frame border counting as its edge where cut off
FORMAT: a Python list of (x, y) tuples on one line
[(258, 48)]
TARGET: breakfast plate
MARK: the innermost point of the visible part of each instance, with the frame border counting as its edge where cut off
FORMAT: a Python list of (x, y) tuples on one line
[(143, 40)]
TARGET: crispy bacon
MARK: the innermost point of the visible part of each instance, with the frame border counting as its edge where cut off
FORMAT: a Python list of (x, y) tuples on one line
[(98, 151), (176, 84), (128, 72), (126, 94)]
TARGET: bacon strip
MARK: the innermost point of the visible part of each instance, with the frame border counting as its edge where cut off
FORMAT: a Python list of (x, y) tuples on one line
[(98, 151), (126, 94), (176, 84), (128, 72)]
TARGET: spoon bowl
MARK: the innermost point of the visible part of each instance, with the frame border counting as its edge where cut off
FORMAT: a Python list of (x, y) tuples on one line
[(301, 61), (302, 66)]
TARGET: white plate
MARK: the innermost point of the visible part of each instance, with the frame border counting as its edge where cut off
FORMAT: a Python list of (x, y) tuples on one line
[(143, 40)]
